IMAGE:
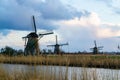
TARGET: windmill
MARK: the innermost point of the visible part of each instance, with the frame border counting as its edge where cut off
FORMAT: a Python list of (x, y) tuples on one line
[(118, 47), (57, 46), (96, 49), (31, 41)]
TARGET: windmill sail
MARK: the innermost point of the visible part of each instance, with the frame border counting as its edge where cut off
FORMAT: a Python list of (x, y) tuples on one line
[(56, 39), (95, 43), (118, 47), (47, 33), (34, 24), (64, 44)]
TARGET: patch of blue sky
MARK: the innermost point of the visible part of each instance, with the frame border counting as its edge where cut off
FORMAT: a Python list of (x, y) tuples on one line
[(4, 32)]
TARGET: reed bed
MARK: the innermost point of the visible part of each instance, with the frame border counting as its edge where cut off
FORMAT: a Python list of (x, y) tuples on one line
[(53, 73), (47, 74), (97, 61)]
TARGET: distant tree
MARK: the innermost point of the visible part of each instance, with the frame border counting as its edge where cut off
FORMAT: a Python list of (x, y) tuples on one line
[(50, 51), (79, 52), (44, 51), (2, 50), (20, 52), (8, 51)]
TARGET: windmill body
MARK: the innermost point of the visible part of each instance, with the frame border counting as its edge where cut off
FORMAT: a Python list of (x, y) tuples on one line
[(32, 46), (95, 50), (31, 41), (57, 49), (57, 46)]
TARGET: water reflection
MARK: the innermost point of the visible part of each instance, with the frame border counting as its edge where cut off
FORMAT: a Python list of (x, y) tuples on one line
[(72, 73)]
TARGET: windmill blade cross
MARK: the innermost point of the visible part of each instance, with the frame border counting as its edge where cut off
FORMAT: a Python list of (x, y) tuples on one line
[(63, 44), (45, 33), (25, 38), (50, 45), (100, 47), (91, 48), (34, 24), (25, 41), (56, 39), (95, 43), (118, 47)]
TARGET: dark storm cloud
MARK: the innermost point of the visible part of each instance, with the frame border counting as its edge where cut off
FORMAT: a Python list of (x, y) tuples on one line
[(16, 14), (52, 9)]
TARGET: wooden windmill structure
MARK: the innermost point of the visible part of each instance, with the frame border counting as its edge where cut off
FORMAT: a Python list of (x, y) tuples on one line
[(96, 49), (57, 46), (31, 41)]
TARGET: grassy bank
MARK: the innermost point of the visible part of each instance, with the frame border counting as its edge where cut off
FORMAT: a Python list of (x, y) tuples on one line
[(98, 61)]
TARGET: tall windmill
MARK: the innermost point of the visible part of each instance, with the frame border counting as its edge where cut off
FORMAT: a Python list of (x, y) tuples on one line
[(96, 49), (31, 41), (57, 46)]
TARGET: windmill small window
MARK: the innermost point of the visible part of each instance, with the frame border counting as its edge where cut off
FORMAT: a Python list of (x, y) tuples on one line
[(31, 41)]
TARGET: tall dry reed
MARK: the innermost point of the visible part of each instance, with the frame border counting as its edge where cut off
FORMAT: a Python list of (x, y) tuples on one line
[(102, 61)]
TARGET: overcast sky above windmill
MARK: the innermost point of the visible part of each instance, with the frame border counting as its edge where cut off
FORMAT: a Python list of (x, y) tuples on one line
[(78, 22)]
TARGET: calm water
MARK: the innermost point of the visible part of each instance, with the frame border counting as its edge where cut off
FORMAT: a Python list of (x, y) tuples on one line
[(99, 73)]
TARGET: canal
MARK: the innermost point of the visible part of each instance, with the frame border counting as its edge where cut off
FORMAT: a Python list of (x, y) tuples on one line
[(72, 73)]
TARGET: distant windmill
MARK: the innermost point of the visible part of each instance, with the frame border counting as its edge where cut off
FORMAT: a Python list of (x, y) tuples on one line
[(57, 46), (96, 49), (31, 41), (118, 47)]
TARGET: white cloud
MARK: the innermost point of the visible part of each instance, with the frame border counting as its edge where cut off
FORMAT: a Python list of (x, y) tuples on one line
[(14, 39), (91, 20), (92, 24), (80, 32)]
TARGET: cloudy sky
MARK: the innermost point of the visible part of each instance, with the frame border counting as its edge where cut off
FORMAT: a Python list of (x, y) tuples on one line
[(78, 22)]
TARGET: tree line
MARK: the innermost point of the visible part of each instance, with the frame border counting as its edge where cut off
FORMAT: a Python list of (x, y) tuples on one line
[(10, 51)]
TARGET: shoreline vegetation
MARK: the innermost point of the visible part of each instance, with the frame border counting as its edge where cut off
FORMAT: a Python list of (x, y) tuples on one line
[(57, 74), (73, 60), (81, 60)]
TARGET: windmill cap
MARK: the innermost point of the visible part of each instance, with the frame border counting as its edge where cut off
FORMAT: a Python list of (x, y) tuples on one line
[(32, 34)]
